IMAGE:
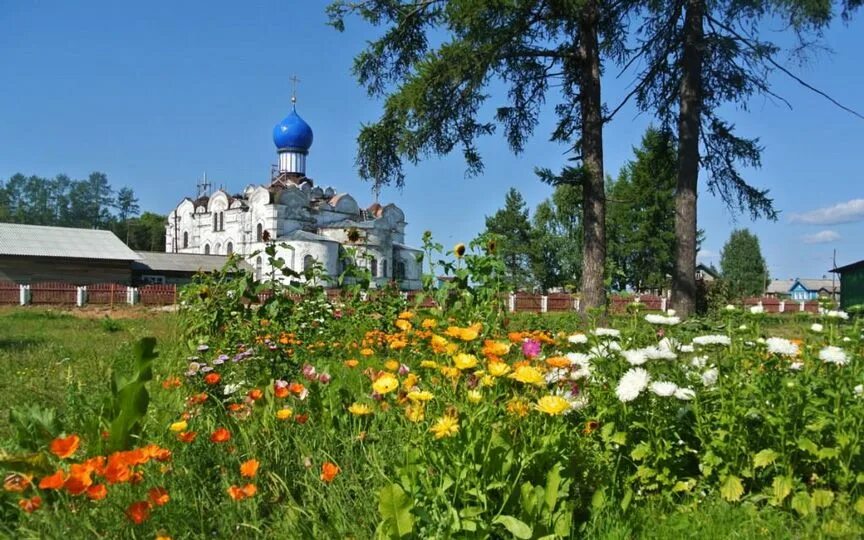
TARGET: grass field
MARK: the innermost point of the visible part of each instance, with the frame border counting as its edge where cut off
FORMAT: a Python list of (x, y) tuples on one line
[(62, 360)]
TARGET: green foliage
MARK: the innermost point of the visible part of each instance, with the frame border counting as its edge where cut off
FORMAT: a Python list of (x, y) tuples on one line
[(557, 239), (744, 269), (513, 234), (130, 398), (111, 325)]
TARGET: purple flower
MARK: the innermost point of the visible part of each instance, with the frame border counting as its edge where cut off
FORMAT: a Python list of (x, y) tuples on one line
[(203, 347), (309, 372), (206, 369), (220, 359), (404, 370), (238, 357), (531, 348), (324, 378)]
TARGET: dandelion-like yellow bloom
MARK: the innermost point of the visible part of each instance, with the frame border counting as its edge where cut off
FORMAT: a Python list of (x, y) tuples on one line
[(351, 363), (360, 409), (446, 426), (391, 365), (430, 364), (498, 369), (429, 323), (385, 383), (439, 343), (487, 381), (403, 325), (528, 375), (517, 407), (367, 351), (410, 382), (495, 348), (398, 344), (415, 413), (284, 414), (177, 427), (558, 362), (406, 315), (475, 396), (450, 372), (465, 361), (420, 395), (552, 405)]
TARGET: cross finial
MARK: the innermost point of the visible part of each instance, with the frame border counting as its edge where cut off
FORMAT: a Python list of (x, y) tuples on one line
[(294, 80)]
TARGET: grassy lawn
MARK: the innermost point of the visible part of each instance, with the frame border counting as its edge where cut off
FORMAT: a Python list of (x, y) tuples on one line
[(46, 353)]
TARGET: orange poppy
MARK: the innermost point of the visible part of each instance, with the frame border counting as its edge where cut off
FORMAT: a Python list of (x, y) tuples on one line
[(97, 492), (281, 392), (63, 447), (30, 505), (187, 436), (171, 382), (78, 482), (301, 418), (95, 464), (212, 378), (136, 478), (138, 512), (138, 456), (255, 394), (55, 481), (329, 470), (558, 362), (117, 472), (239, 493), (17, 482), (249, 468), (221, 435), (158, 496)]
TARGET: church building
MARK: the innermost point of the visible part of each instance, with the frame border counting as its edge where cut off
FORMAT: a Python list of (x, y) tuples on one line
[(317, 223)]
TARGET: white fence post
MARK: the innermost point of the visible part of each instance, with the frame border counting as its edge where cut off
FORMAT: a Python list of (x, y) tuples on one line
[(24, 294), (511, 303), (663, 304), (577, 303), (801, 308), (80, 296), (782, 306), (132, 295), (544, 303)]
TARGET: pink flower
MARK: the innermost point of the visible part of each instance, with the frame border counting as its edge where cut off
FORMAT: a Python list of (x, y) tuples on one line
[(531, 348)]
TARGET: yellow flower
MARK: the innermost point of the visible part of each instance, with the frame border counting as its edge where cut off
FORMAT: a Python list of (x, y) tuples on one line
[(459, 250), (367, 351), (498, 369), (406, 315), (429, 323), (528, 375), (391, 365), (495, 348), (410, 382), (446, 426), (552, 405), (439, 343), (415, 413), (351, 363), (558, 362), (487, 381), (517, 407), (431, 364), (177, 427), (450, 372), (475, 396), (465, 361), (360, 409), (284, 414), (420, 395), (385, 383), (403, 325)]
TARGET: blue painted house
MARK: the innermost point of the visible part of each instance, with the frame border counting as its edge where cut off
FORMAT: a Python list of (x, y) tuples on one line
[(802, 289)]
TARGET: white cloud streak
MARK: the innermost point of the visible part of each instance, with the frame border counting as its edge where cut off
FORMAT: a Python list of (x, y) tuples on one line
[(821, 237), (845, 212)]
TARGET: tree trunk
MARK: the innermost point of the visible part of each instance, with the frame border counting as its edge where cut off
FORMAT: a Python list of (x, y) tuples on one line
[(689, 121), (593, 193)]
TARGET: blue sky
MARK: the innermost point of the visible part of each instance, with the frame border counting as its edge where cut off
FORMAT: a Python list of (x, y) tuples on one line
[(155, 94)]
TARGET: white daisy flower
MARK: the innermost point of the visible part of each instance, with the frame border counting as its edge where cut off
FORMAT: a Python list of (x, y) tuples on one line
[(653, 318), (712, 339), (607, 332), (664, 388), (781, 346), (632, 384), (578, 339), (685, 394), (816, 327), (709, 378), (833, 355)]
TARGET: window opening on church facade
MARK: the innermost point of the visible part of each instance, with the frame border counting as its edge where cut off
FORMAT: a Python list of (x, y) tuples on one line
[(373, 267), (259, 233), (229, 248), (308, 261), (258, 269), (384, 268), (206, 249), (185, 239), (399, 270)]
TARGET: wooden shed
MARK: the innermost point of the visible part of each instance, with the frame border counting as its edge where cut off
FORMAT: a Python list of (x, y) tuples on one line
[(155, 267), (35, 253), (851, 284)]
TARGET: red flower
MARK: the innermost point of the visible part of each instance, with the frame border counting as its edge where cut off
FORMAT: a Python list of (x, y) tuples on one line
[(63, 447), (221, 435), (55, 481), (239, 493), (30, 505), (329, 470), (158, 496), (187, 436), (138, 512), (97, 492), (212, 378)]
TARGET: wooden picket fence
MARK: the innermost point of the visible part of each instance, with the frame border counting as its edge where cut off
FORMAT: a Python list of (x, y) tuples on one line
[(107, 294), (10, 293), (53, 293)]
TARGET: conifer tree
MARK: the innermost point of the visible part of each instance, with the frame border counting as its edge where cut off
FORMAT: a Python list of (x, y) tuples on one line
[(742, 265)]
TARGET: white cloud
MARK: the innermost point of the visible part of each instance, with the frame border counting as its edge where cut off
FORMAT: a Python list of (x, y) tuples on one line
[(821, 237), (845, 212)]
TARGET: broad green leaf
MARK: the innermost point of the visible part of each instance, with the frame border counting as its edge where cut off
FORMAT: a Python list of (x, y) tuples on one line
[(598, 499), (828, 453), (517, 528), (781, 487), (803, 504), (808, 446), (732, 490), (823, 498), (685, 485), (553, 482), (619, 437), (764, 458), (859, 505), (642, 449), (395, 508), (625, 501)]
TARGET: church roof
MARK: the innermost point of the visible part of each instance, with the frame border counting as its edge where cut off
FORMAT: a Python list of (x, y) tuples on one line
[(404, 247), (181, 262), (347, 224), (293, 134), (65, 242)]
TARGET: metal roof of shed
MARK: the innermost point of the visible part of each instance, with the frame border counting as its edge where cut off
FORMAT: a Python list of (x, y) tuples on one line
[(181, 262), (62, 242)]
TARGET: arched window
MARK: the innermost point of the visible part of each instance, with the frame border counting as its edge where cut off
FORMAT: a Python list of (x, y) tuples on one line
[(185, 239), (221, 221), (383, 267), (229, 248), (259, 232), (373, 267), (259, 271), (206, 249), (308, 261), (399, 270), (215, 221)]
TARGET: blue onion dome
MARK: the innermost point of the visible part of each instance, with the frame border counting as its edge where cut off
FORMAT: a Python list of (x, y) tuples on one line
[(292, 133)]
